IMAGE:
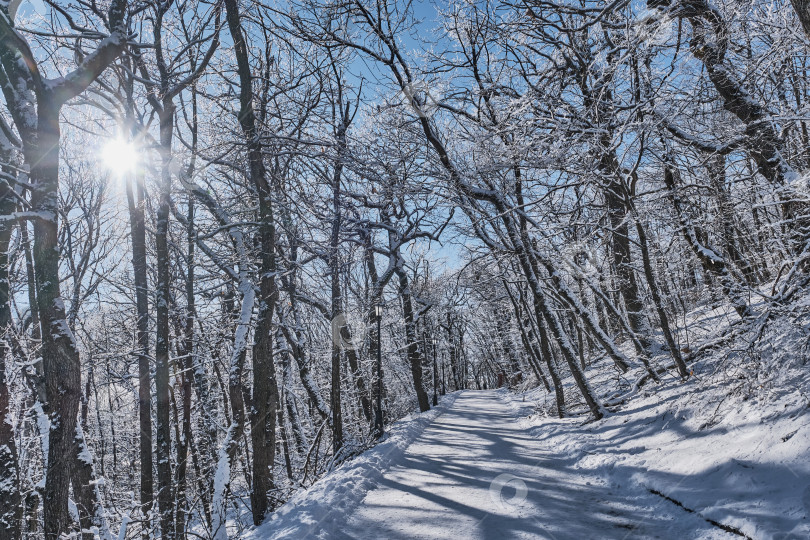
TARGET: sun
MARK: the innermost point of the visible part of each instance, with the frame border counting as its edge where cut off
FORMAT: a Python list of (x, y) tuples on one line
[(119, 156)]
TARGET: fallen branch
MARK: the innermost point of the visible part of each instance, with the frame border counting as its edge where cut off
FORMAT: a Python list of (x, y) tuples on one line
[(727, 528)]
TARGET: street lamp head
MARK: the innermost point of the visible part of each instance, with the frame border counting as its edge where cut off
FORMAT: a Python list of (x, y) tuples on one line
[(435, 341), (378, 309)]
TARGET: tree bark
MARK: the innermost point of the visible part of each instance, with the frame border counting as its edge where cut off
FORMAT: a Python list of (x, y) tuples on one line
[(659, 303), (10, 498), (38, 126), (528, 344), (622, 260), (709, 44), (716, 168), (265, 388), (136, 198), (414, 355), (162, 302), (337, 323), (186, 373), (802, 8), (60, 355)]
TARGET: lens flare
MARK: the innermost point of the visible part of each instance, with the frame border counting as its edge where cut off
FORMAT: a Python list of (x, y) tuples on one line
[(119, 156)]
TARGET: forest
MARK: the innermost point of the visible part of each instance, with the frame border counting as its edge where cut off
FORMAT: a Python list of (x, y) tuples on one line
[(240, 240)]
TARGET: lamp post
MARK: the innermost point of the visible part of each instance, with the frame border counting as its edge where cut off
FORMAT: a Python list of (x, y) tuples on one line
[(444, 380), (378, 416), (435, 374)]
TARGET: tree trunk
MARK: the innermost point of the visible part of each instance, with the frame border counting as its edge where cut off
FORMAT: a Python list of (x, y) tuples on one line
[(502, 323), (543, 312), (716, 168), (86, 494), (414, 355), (764, 144), (622, 261), (265, 388), (357, 375), (38, 126), (659, 303), (452, 352), (229, 447), (136, 198), (802, 8), (59, 353), (579, 309), (545, 345), (713, 263), (186, 373), (299, 435), (10, 499), (528, 344), (338, 320), (162, 302), (293, 333)]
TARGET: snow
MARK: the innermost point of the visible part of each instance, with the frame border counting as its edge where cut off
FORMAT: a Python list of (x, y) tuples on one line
[(44, 427), (122, 532), (749, 471), (732, 444), (322, 509), (222, 480), (478, 471), (245, 315), (222, 476), (684, 461)]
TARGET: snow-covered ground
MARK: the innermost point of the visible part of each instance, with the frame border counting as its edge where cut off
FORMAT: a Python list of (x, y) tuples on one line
[(731, 445), (749, 471), (723, 455), (479, 470), (327, 503)]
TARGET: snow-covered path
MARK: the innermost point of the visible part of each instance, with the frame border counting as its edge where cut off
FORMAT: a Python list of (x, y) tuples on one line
[(474, 473), (470, 469)]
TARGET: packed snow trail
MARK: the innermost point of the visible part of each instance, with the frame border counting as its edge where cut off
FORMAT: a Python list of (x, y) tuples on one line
[(474, 473)]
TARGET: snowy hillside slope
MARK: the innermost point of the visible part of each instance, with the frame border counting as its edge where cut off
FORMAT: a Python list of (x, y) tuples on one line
[(749, 470), (732, 444)]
